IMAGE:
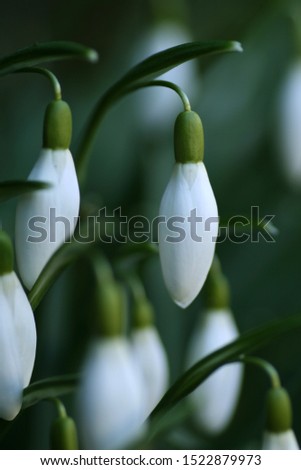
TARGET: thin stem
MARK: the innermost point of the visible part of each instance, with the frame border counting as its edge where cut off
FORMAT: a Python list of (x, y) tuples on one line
[(61, 410), (101, 267), (105, 102), (265, 366), (136, 287), (165, 84), (50, 75)]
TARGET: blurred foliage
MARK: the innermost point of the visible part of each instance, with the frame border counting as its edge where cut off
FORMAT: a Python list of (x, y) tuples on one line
[(130, 166)]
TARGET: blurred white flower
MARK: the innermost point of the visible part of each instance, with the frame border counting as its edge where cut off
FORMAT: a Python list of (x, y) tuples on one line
[(285, 440), (151, 359), (160, 104), (188, 234), (289, 134), (215, 400), (111, 404), (17, 344), (46, 218)]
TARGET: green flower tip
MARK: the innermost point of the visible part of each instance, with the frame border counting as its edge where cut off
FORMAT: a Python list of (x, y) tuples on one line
[(57, 126), (278, 410), (188, 138), (6, 254), (63, 434), (143, 313), (109, 309)]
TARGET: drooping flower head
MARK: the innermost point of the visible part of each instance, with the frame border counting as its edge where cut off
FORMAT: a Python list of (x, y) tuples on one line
[(111, 404), (149, 353), (189, 226), (17, 335), (45, 219), (278, 434), (215, 400)]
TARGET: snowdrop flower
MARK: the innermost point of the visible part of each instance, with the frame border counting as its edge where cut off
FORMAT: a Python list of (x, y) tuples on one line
[(278, 434), (17, 335), (111, 400), (159, 104), (289, 125), (111, 405), (45, 219), (189, 213), (149, 354), (215, 400)]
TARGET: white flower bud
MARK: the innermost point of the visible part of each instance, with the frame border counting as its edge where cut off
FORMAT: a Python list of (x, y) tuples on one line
[(17, 344), (215, 400), (46, 218), (111, 403), (151, 359), (285, 440), (188, 234)]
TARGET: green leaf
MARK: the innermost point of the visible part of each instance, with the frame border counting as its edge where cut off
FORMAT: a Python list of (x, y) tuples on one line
[(163, 61), (247, 342), (45, 52), (49, 388), (80, 245), (10, 189), (149, 68), (67, 254)]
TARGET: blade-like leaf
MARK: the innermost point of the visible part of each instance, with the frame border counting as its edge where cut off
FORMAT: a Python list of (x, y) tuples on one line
[(45, 52), (67, 254), (161, 62), (247, 342), (10, 189), (150, 68), (82, 244), (49, 388)]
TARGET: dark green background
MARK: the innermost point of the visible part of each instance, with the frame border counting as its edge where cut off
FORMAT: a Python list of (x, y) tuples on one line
[(130, 167)]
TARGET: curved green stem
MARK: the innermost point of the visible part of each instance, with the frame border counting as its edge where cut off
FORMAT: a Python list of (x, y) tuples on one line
[(61, 410), (50, 75), (265, 366), (100, 110), (151, 67), (166, 84)]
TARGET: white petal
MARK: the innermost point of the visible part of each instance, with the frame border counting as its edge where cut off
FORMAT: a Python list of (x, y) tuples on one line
[(280, 441), (186, 252), (151, 358), (290, 124), (24, 324), (56, 210), (215, 399), (11, 385), (110, 399)]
